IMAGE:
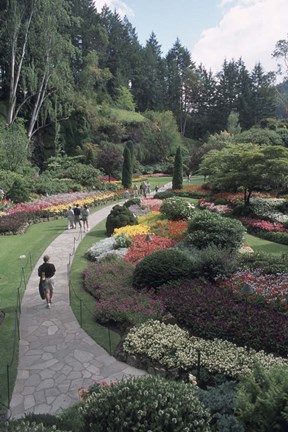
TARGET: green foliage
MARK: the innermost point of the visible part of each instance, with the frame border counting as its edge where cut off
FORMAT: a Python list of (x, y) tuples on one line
[(7, 178), (47, 184), (262, 400), (27, 426), (132, 201), (177, 208), (118, 217), (259, 136), (249, 166), (260, 260), (125, 99), (70, 168), (160, 267), (206, 228), (212, 261), (122, 241), (15, 148), (145, 403), (127, 169), (273, 236), (221, 403), (20, 191), (164, 195), (160, 137), (177, 180)]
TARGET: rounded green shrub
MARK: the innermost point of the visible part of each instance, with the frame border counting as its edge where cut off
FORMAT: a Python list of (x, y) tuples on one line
[(160, 267), (132, 201), (145, 404), (177, 208), (213, 261), (206, 228), (119, 216)]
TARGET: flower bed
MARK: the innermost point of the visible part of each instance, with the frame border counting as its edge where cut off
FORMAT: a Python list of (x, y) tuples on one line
[(141, 247), (262, 225), (211, 312), (219, 208), (172, 347), (269, 289)]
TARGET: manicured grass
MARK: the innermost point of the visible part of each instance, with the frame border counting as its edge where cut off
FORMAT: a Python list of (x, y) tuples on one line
[(261, 245), (79, 297)]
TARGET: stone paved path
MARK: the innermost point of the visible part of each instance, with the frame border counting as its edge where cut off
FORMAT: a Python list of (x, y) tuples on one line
[(56, 357)]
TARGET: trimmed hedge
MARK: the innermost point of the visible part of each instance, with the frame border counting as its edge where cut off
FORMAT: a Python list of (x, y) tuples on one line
[(118, 217), (160, 267)]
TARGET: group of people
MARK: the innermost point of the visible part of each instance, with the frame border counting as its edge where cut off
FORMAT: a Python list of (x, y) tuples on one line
[(77, 214)]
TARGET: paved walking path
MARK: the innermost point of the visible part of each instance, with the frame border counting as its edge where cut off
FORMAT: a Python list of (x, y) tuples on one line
[(56, 357)]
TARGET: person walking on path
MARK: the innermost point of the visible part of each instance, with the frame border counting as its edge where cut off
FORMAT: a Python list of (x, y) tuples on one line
[(70, 217), (77, 214), (85, 214), (46, 272)]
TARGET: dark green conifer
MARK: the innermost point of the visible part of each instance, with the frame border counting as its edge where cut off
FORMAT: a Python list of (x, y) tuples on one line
[(177, 181), (127, 169)]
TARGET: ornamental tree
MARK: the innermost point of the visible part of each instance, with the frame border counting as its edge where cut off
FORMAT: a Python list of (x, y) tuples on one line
[(247, 166), (127, 169), (177, 181)]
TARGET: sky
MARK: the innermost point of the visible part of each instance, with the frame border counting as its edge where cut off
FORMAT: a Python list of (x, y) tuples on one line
[(212, 30)]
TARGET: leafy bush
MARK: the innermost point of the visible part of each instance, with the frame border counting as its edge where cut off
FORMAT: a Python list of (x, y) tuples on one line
[(145, 403), (47, 184), (27, 426), (177, 208), (164, 195), (211, 312), (13, 223), (262, 400), (212, 261), (132, 201), (261, 261), (221, 403), (19, 191), (118, 217), (160, 267), (205, 228), (122, 241)]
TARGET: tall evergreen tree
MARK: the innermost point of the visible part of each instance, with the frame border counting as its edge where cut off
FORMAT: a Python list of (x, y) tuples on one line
[(178, 61), (150, 87), (127, 169), (177, 181)]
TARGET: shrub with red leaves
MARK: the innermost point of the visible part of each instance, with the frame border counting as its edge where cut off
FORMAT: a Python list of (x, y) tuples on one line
[(210, 312)]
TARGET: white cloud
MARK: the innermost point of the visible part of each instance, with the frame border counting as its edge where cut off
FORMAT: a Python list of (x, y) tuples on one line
[(248, 29), (121, 7)]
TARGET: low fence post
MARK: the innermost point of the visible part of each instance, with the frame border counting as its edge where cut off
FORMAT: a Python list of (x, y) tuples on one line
[(81, 317), (109, 337)]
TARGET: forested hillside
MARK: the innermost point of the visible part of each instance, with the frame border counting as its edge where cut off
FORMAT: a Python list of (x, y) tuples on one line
[(76, 81)]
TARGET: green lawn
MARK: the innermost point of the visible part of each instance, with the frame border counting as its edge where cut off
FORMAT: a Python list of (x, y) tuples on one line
[(31, 244), (261, 245)]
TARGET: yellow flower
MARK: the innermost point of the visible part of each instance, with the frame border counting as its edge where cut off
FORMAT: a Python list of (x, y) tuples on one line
[(132, 230)]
